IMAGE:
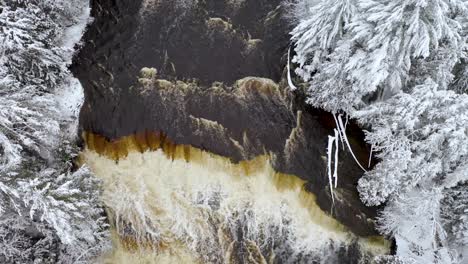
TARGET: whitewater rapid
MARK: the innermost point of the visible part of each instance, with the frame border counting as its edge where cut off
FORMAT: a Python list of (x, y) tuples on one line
[(179, 204)]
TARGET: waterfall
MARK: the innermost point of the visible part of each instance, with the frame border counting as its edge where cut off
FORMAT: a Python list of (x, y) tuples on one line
[(171, 203)]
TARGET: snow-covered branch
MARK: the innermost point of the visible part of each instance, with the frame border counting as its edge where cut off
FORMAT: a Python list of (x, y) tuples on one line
[(398, 67), (38, 189)]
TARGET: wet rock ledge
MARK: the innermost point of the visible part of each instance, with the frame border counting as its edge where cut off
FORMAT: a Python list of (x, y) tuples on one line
[(184, 70)]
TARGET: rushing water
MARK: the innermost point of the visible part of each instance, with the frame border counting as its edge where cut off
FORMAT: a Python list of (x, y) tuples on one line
[(179, 204)]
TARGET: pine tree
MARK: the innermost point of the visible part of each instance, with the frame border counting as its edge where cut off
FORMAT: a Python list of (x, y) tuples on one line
[(42, 198), (392, 66), (418, 230), (320, 32), (420, 137), (374, 52)]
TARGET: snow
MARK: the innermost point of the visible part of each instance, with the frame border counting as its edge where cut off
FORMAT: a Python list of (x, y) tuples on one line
[(69, 99), (331, 143), (72, 35), (390, 64), (290, 82), (70, 95), (39, 106)]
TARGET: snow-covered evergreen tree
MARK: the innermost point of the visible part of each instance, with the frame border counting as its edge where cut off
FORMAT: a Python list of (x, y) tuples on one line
[(420, 137), (48, 211), (319, 32), (371, 54), (392, 65)]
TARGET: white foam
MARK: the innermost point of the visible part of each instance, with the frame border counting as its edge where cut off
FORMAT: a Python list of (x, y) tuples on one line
[(175, 200)]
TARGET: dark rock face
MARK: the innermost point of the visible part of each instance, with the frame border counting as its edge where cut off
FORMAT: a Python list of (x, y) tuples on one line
[(240, 117), (211, 41)]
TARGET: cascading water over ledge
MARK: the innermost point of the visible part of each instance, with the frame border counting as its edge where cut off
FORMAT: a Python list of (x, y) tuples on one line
[(173, 203)]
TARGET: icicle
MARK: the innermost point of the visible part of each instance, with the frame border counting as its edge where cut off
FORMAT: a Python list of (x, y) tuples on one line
[(343, 130), (331, 141), (290, 82), (339, 131), (337, 147), (370, 156)]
